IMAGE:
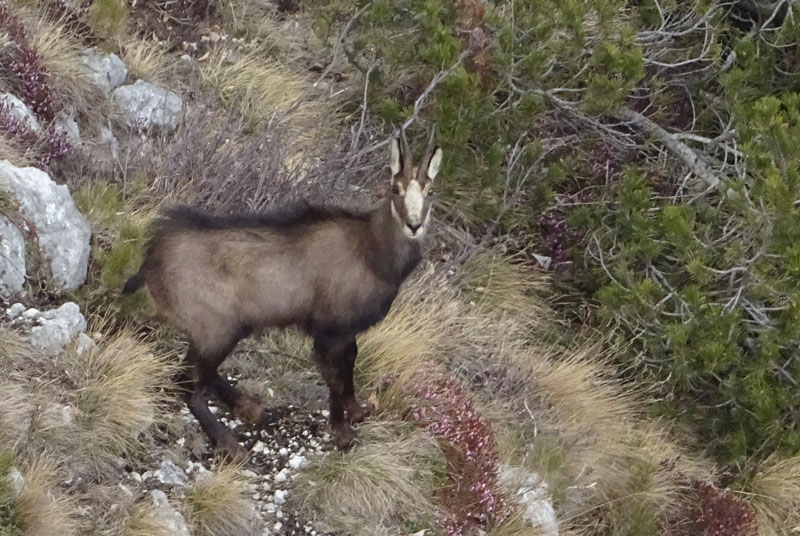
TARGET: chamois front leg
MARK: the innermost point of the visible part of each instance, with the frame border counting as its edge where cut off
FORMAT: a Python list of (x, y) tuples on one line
[(328, 354), (356, 412), (192, 382)]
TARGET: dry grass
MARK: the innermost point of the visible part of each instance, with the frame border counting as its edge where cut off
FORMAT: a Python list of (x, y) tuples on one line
[(387, 481), (13, 153), (421, 329), (60, 52), (119, 393), (143, 520), (147, 61), (42, 509), (502, 283), (774, 493), (261, 90), (218, 503), (257, 88)]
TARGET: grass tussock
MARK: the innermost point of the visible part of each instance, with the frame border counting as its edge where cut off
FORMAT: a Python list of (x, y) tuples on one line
[(261, 90), (256, 88), (218, 503), (60, 51), (147, 61), (143, 520), (13, 153), (503, 284), (387, 481), (41, 508), (421, 329), (120, 391), (774, 492)]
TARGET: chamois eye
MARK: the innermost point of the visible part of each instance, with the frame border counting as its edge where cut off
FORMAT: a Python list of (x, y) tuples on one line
[(395, 189)]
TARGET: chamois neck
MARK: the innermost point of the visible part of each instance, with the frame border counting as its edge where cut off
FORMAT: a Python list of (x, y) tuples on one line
[(396, 255)]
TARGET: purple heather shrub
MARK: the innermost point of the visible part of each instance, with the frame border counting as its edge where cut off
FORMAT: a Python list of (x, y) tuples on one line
[(558, 237), (448, 413), (26, 64), (14, 128)]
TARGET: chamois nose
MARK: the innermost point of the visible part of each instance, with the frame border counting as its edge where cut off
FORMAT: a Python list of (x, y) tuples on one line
[(414, 227)]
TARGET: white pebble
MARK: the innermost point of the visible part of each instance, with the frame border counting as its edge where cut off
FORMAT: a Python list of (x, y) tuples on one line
[(280, 496), (277, 526), (258, 447), (296, 462), (282, 476)]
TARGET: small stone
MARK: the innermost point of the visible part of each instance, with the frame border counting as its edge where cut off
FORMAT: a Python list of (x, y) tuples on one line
[(15, 311), (19, 111), (17, 481), (170, 474), (247, 473), (31, 314), (282, 476), (106, 71), (108, 140), (173, 520), (147, 108), (283, 451), (296, 462), (84, 344), (280, 496), (277, 526)]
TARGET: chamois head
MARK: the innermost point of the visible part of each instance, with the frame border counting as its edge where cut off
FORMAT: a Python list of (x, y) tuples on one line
[(412, 186)]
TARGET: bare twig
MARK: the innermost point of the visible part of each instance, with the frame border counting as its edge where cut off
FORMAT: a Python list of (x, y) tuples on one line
[(334, 56)]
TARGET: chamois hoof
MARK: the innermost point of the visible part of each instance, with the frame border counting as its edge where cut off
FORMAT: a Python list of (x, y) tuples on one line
[(344, 438), (359, 412), (270, 416), (230, 449)]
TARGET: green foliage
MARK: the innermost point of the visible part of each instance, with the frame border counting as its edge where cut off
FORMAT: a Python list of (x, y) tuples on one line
[(109, 17), (717, 315), (702, 289), (119, 236), (10, 523)]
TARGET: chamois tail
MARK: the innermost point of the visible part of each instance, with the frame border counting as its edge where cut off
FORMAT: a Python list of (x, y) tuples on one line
[(134, 283)]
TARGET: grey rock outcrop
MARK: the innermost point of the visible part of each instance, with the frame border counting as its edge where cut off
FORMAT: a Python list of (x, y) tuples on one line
[(530, 491), (20, 111), (66, 125), (170, 518), (106, 71), (62, 231), (12, 258), (145, 107), (57, 328)]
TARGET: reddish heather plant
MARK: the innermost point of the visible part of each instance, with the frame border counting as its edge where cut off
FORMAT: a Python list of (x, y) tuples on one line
[(448, 413), (722, 513), (53, 145), (27, 66)]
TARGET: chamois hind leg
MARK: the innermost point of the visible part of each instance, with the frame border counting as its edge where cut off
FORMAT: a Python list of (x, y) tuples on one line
[(328, 352), (247, 406), (193, 383), (356, 412)]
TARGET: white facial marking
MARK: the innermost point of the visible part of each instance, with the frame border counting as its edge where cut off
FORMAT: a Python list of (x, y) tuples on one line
[(414, 202), (395, 161)]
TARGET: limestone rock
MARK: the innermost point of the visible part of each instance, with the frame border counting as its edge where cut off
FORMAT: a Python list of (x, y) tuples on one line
[(148, 108), (12, 259), (107, 71), (62, 231)]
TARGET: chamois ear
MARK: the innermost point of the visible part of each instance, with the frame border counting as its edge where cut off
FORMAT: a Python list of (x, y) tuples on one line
[(396, 161), (434, 163)]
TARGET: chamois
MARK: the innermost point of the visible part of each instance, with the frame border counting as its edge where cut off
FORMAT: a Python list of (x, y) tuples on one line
[(331, 273)]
